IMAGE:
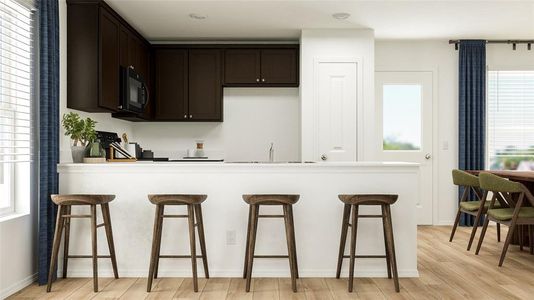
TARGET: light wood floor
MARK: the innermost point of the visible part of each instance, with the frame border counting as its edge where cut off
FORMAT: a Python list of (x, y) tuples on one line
[(447, 271)]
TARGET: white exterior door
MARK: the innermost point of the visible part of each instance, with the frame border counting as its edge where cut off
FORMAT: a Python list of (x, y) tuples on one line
[(337, 95), (404, 113)]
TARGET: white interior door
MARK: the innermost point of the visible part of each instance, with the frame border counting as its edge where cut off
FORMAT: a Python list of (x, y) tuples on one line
[(337, 86), (404, 114)]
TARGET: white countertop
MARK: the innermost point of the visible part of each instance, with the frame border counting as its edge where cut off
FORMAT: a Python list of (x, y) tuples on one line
[(242, 164)]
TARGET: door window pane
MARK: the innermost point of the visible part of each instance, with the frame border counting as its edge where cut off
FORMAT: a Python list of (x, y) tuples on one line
[(401, 119)]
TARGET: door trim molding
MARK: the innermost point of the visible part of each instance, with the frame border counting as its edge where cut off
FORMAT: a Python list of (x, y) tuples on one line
[(435, 131), (359, 122)]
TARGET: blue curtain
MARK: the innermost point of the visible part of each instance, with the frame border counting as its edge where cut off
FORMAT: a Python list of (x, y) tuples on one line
[(48, 128), (472, 110)]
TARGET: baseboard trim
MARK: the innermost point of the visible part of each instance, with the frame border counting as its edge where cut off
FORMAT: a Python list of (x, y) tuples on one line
[(17, 286), (238, 273)]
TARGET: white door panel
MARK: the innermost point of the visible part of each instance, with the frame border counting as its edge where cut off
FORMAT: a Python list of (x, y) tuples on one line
[(404, 113), (337, 96)]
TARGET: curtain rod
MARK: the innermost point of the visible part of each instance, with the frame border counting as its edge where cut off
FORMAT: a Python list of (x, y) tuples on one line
[(513, 42)]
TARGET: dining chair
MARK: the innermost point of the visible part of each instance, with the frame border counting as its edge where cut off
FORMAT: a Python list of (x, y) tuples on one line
[(514, 193), (474, 208)]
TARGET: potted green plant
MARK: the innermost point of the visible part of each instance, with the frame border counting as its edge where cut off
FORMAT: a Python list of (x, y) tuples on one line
[(82, 133)]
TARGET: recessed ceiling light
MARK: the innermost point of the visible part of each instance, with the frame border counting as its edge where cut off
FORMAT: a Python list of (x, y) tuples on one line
[(197, 16), (341, 16)]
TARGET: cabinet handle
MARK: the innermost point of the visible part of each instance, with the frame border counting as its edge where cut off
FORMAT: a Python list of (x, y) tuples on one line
[(190, 116), (185, 116), (257, 80), (263, 80)]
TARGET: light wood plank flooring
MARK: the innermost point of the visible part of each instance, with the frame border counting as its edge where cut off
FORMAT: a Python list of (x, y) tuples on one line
[(447, 271)]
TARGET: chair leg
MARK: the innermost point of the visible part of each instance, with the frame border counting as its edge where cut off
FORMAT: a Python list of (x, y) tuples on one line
[(521, 237), (109, 235), (290, 252), (530, 245), (66, 245), (456, 221), (158, 249), (94, 248), (353, 232), (252, 245), (202, 239), (192, 241), (249, 231), (386, 244), (475, 227), (343, 239), (155, 242), (391, 244), (498, 232), (507, 242), (55, 247), (482, 234), (294, 240)]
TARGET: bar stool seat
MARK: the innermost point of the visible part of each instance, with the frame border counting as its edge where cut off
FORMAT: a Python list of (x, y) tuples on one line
[(195, 220), (352, 203), (64, 216), (255, 201), (176, 199), (271, 199)]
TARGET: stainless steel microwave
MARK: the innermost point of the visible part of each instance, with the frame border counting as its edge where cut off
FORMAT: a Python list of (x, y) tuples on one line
[(134, 93)]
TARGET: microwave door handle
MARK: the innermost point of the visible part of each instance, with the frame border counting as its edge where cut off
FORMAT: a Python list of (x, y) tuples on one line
[(147, 95)]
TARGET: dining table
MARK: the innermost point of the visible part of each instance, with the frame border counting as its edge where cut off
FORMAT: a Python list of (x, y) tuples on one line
[(524, 177)]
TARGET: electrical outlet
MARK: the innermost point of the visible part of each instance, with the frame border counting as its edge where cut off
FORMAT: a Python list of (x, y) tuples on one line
[(230, 237)]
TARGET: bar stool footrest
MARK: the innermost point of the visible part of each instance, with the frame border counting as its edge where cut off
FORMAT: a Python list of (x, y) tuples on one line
[(271, 256), (365, 256), (88, 256), (179, 256)]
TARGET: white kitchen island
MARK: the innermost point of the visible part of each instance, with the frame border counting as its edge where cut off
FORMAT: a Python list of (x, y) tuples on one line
[(317, 215)]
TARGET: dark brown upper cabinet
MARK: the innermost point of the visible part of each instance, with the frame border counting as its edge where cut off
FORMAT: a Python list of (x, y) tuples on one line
[(188, 85), (99, 43), (171, 88), (205, 85), (269, 67)]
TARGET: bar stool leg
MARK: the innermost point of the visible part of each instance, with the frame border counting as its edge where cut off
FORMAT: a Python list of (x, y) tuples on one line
[(391, 248), (94, 248), (354, 231), (160, 231), (155, 241), (109, 235), (252, 244), (292, 222), (530, 245), (521, 235), (66, 245), (55, 246), (498, 232), (202, 239), (343, 240), (249, 231), (192, 241), (290, 252), (386, 244)]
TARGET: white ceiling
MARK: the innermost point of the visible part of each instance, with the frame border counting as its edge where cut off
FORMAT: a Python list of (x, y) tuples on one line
[(168, 20)]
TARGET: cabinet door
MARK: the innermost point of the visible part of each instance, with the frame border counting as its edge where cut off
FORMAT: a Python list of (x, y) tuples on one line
[(171, 84), (279, 66), (109, 61), (124, 37), (205, 86), (241, 66)]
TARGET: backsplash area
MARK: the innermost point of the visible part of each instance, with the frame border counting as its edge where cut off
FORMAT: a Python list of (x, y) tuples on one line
[(253, 118)]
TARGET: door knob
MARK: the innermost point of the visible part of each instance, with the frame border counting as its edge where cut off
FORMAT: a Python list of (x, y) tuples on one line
[(257, 80), (185, 116), (324, 157), (428, 156)]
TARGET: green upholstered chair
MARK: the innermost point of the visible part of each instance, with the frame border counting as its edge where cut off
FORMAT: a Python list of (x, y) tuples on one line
[(514, 194), (473, 208)]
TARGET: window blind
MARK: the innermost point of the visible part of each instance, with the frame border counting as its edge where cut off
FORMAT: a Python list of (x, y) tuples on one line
[(510, 119), (16, 81)]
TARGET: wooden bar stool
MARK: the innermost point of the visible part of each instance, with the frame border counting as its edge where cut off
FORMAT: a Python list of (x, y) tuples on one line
[(286, 201), (65, 203), (193, 203), (352, 202)]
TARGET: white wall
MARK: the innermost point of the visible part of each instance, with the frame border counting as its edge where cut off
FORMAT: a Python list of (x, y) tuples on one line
[(441, 58), (253, 118), (337, 43)]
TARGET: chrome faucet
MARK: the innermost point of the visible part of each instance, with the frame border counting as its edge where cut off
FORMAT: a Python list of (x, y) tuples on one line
[(271, 153)]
